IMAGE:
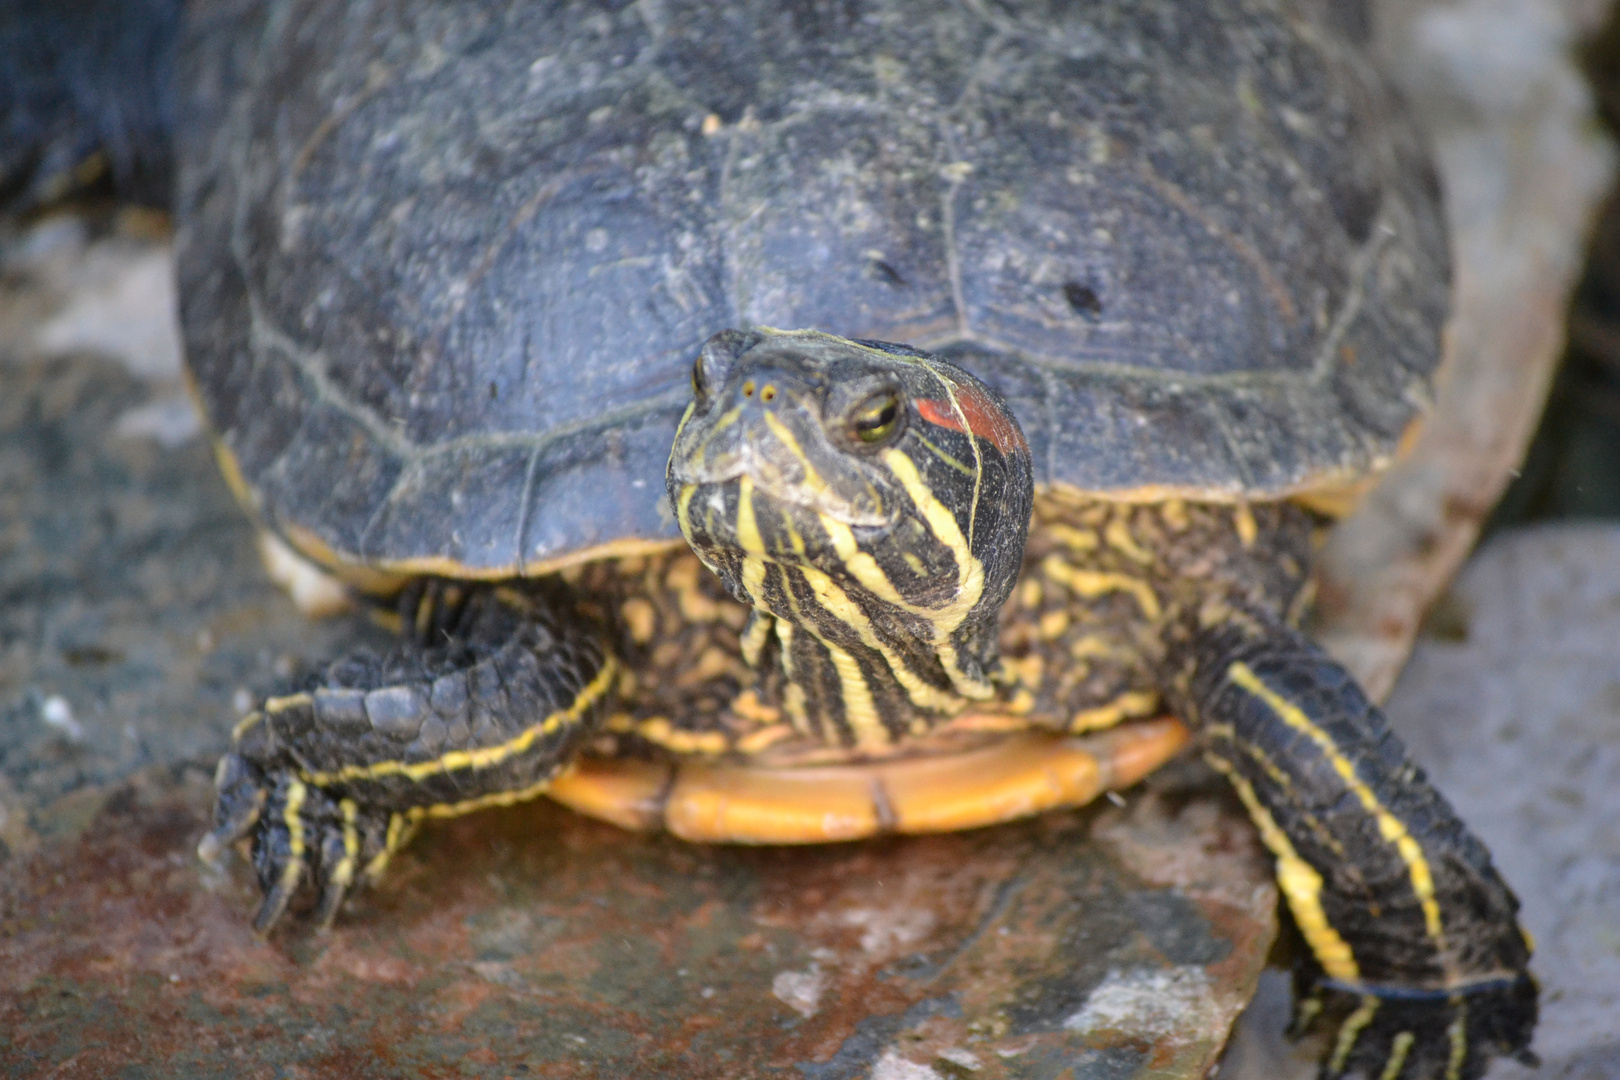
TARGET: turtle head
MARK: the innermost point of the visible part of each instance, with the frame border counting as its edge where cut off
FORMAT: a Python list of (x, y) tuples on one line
[(872, 495)]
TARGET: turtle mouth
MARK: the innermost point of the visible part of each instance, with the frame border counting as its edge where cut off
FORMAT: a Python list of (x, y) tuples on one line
[(786, 468), (737, 515), (770, 496)]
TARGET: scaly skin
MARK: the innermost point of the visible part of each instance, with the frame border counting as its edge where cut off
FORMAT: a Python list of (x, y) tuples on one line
[(867, 508)]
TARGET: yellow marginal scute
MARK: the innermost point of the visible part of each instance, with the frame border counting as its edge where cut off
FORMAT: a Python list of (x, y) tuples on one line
[(1390, 827), (1299, 881)]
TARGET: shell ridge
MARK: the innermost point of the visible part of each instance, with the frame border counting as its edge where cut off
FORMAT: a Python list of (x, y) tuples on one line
[(520, 542), (1361, 265)]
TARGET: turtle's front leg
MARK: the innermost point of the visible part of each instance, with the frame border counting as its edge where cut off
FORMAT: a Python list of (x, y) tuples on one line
[(1422, 960), (489, 696)]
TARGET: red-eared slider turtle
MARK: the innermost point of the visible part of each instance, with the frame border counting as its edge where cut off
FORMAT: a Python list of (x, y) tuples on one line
[(456, 282)]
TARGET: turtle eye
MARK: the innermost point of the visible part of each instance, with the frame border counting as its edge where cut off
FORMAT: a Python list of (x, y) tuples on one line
[(877, 419), (715, 360)]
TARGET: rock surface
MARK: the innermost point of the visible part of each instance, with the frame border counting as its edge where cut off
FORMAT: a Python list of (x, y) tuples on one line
[(136, 624)]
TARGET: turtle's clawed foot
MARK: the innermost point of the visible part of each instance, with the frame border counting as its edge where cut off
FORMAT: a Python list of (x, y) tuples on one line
[(491, 694), (300, 834), (1421, 1036)]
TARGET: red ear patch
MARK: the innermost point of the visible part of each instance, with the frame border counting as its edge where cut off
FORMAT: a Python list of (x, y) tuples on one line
[(984, 418)]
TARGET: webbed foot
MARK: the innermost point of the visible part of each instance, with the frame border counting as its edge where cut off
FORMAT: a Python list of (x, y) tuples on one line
[(1446, 1035), (487, 700), (301, 834)]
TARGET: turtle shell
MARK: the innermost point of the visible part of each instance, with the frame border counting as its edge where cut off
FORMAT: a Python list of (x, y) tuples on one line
[(444, 266)]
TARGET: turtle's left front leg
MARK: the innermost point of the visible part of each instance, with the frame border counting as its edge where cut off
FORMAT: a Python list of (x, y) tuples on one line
[(490, 694), (1416, 936)]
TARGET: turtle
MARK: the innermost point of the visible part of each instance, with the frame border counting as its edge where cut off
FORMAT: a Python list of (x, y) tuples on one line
[(794, 423)]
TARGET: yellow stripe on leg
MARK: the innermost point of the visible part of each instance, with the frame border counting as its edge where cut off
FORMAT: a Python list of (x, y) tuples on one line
[(343, 874), (1399, 1047), (1349, 1031), (1390, 827), (295, 835), (1457, 1031), (1299, 881), (398, 832)]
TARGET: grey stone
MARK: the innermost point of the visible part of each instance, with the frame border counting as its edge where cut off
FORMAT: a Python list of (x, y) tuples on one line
[(1512, 703), (1519, 723)]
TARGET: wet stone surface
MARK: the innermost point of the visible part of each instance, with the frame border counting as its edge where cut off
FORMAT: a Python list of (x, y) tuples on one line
[(1110, 943)]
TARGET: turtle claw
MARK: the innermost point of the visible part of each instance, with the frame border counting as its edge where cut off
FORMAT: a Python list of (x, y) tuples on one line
[(300, 832), (332, 898), (307, 835), (342, 845), (240, 797), (281, 846)]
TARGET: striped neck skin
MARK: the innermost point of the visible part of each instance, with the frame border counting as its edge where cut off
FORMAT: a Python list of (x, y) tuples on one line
[(871, 503)]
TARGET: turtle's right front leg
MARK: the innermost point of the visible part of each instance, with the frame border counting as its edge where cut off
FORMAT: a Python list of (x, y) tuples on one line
[(493, 691), (1418, 953)]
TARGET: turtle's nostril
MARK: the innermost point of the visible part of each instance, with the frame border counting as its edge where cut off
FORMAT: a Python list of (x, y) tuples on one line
[(766, 393)]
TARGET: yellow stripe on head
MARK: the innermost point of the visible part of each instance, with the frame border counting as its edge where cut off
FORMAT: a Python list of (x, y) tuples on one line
[(978, 455), (969, 570), (749, 539), (847, 613), (860, 711)]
